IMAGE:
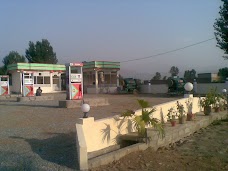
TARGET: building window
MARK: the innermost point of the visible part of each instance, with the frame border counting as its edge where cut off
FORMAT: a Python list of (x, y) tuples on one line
[(55, 79), (46, 80), (41, 80), (35, 82)]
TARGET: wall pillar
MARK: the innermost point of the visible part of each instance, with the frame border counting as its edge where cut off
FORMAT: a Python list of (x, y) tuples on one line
[(117, 79), (96, 81), (226, 84), (195, 86), (110, 79), (83, 124), (60, 83), (51, 81), (21, 87)]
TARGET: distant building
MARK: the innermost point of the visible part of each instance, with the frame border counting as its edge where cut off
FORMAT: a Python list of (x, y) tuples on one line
[(101, 76), (207, 77)]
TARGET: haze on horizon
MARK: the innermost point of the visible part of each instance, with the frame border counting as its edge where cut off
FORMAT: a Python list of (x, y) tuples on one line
[(117, 30)]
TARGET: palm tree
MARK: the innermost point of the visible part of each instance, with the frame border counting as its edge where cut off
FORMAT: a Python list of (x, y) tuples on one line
[(145, 119)]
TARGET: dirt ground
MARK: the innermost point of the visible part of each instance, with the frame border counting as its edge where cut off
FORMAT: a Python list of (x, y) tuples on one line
[(37, 135), (205, 150), (40, 136)]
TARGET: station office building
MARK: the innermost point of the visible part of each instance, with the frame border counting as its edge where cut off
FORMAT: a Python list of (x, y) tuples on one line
[(98, 76)]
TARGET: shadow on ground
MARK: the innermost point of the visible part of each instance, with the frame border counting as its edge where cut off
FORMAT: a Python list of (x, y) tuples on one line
[(31, 105), (59, 149), (8, 100)]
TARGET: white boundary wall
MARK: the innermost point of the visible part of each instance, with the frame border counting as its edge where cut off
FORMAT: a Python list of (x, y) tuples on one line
[(204, 88), (103, 133), (154, 88)]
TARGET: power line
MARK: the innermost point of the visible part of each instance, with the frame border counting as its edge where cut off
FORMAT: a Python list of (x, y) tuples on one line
[(163, 53)]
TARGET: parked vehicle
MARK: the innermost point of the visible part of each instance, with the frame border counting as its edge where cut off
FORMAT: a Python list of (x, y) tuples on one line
[(176, 85), (129, 85)]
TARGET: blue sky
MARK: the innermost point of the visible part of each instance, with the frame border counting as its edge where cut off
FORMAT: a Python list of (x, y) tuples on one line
[(117, 30)]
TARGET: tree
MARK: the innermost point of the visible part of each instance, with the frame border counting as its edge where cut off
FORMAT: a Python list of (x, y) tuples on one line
[(2, 70), (157, 76), (12, 58), (174, 71), (164, 78), (41, 52), (223, 73), (221, 28), (190, 75)]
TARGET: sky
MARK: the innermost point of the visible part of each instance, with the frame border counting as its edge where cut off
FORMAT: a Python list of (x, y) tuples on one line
[(117, 30)]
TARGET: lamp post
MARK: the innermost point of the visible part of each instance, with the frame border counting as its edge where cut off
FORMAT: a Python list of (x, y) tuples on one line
[(85, 109), (188, 87), (224, 91)]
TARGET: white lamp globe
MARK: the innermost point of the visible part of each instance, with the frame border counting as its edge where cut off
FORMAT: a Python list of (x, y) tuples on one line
[(224, 90), (85, 108), (188, 86)]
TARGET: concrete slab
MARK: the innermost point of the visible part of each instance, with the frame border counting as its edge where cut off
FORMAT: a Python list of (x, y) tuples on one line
[(103, 151), (35, 98), (115, 155), (5, 97), (95, 101), (9, 96)]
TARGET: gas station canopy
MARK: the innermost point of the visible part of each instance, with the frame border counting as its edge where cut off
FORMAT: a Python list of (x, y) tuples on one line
[(36, 67)]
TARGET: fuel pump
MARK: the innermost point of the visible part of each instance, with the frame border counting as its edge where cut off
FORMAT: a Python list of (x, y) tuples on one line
[(27, 84), (74, 81), (4, 85)]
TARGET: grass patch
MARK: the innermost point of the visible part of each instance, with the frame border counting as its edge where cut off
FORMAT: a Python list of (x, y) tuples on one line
[(219, 122), (216, 122), (225, 120)]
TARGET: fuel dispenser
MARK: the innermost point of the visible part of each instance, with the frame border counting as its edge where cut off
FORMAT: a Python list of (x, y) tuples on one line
[(4, 85), (27, 84), (74, 81)]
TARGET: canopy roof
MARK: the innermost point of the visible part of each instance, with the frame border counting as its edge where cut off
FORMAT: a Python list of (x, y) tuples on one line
[(36, 67), (101, 65), (57, 67)]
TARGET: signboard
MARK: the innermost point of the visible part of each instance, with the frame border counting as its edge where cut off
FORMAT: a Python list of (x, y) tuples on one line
[(4, 85), (28, 90), (76, 64), (28, 81), (76, 91), (76, 78), (27, 84)]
